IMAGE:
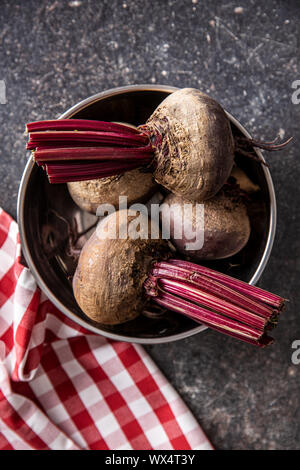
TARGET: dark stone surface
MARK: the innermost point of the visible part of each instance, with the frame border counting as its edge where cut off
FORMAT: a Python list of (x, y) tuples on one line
[(245, 54)]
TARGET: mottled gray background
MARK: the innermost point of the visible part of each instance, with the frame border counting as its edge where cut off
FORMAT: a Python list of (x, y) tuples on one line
[(245, 54)]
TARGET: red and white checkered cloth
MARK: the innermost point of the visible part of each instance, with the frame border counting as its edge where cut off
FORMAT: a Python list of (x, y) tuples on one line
[(62, 387)]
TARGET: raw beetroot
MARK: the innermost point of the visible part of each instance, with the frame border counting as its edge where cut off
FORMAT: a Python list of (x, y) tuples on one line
[(188, 143), (189, 136), (115, 276), (224, 226), (108, 281), (194, 146), (136, 185)]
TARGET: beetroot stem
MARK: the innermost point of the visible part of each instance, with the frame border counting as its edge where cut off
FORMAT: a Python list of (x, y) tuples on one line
[(250, 291), (78, 150), (79, 124), (87, 136), (58, 173), (93, 153), (167, 270), (208, 317), (182, 287), (191, 292)]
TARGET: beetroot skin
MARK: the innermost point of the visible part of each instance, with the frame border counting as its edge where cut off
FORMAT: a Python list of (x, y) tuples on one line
[(194, 145)]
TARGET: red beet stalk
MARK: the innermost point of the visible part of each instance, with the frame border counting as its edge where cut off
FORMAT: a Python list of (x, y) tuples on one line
[(77, 150), (203, 295), (243, 287), (61, 173), (91, 153), (79, 124), (128, 140)]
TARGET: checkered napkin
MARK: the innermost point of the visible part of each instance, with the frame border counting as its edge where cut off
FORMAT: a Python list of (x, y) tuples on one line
[(62, 387)]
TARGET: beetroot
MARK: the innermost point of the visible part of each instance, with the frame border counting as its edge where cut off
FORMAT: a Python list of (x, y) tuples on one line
[(194, 146), (188, 138), (116, 277), (110, 273), (136, 185), (187, 142), (225, 231)]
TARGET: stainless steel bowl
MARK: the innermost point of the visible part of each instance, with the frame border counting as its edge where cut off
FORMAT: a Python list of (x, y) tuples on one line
[(37, 199)]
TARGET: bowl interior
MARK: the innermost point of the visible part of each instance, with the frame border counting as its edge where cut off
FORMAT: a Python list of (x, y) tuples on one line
[(42, 204)]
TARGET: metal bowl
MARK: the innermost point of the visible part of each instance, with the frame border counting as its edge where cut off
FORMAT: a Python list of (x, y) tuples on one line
[(37, 199)]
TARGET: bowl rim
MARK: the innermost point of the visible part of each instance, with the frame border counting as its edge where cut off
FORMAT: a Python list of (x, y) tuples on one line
[(34, 271)]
